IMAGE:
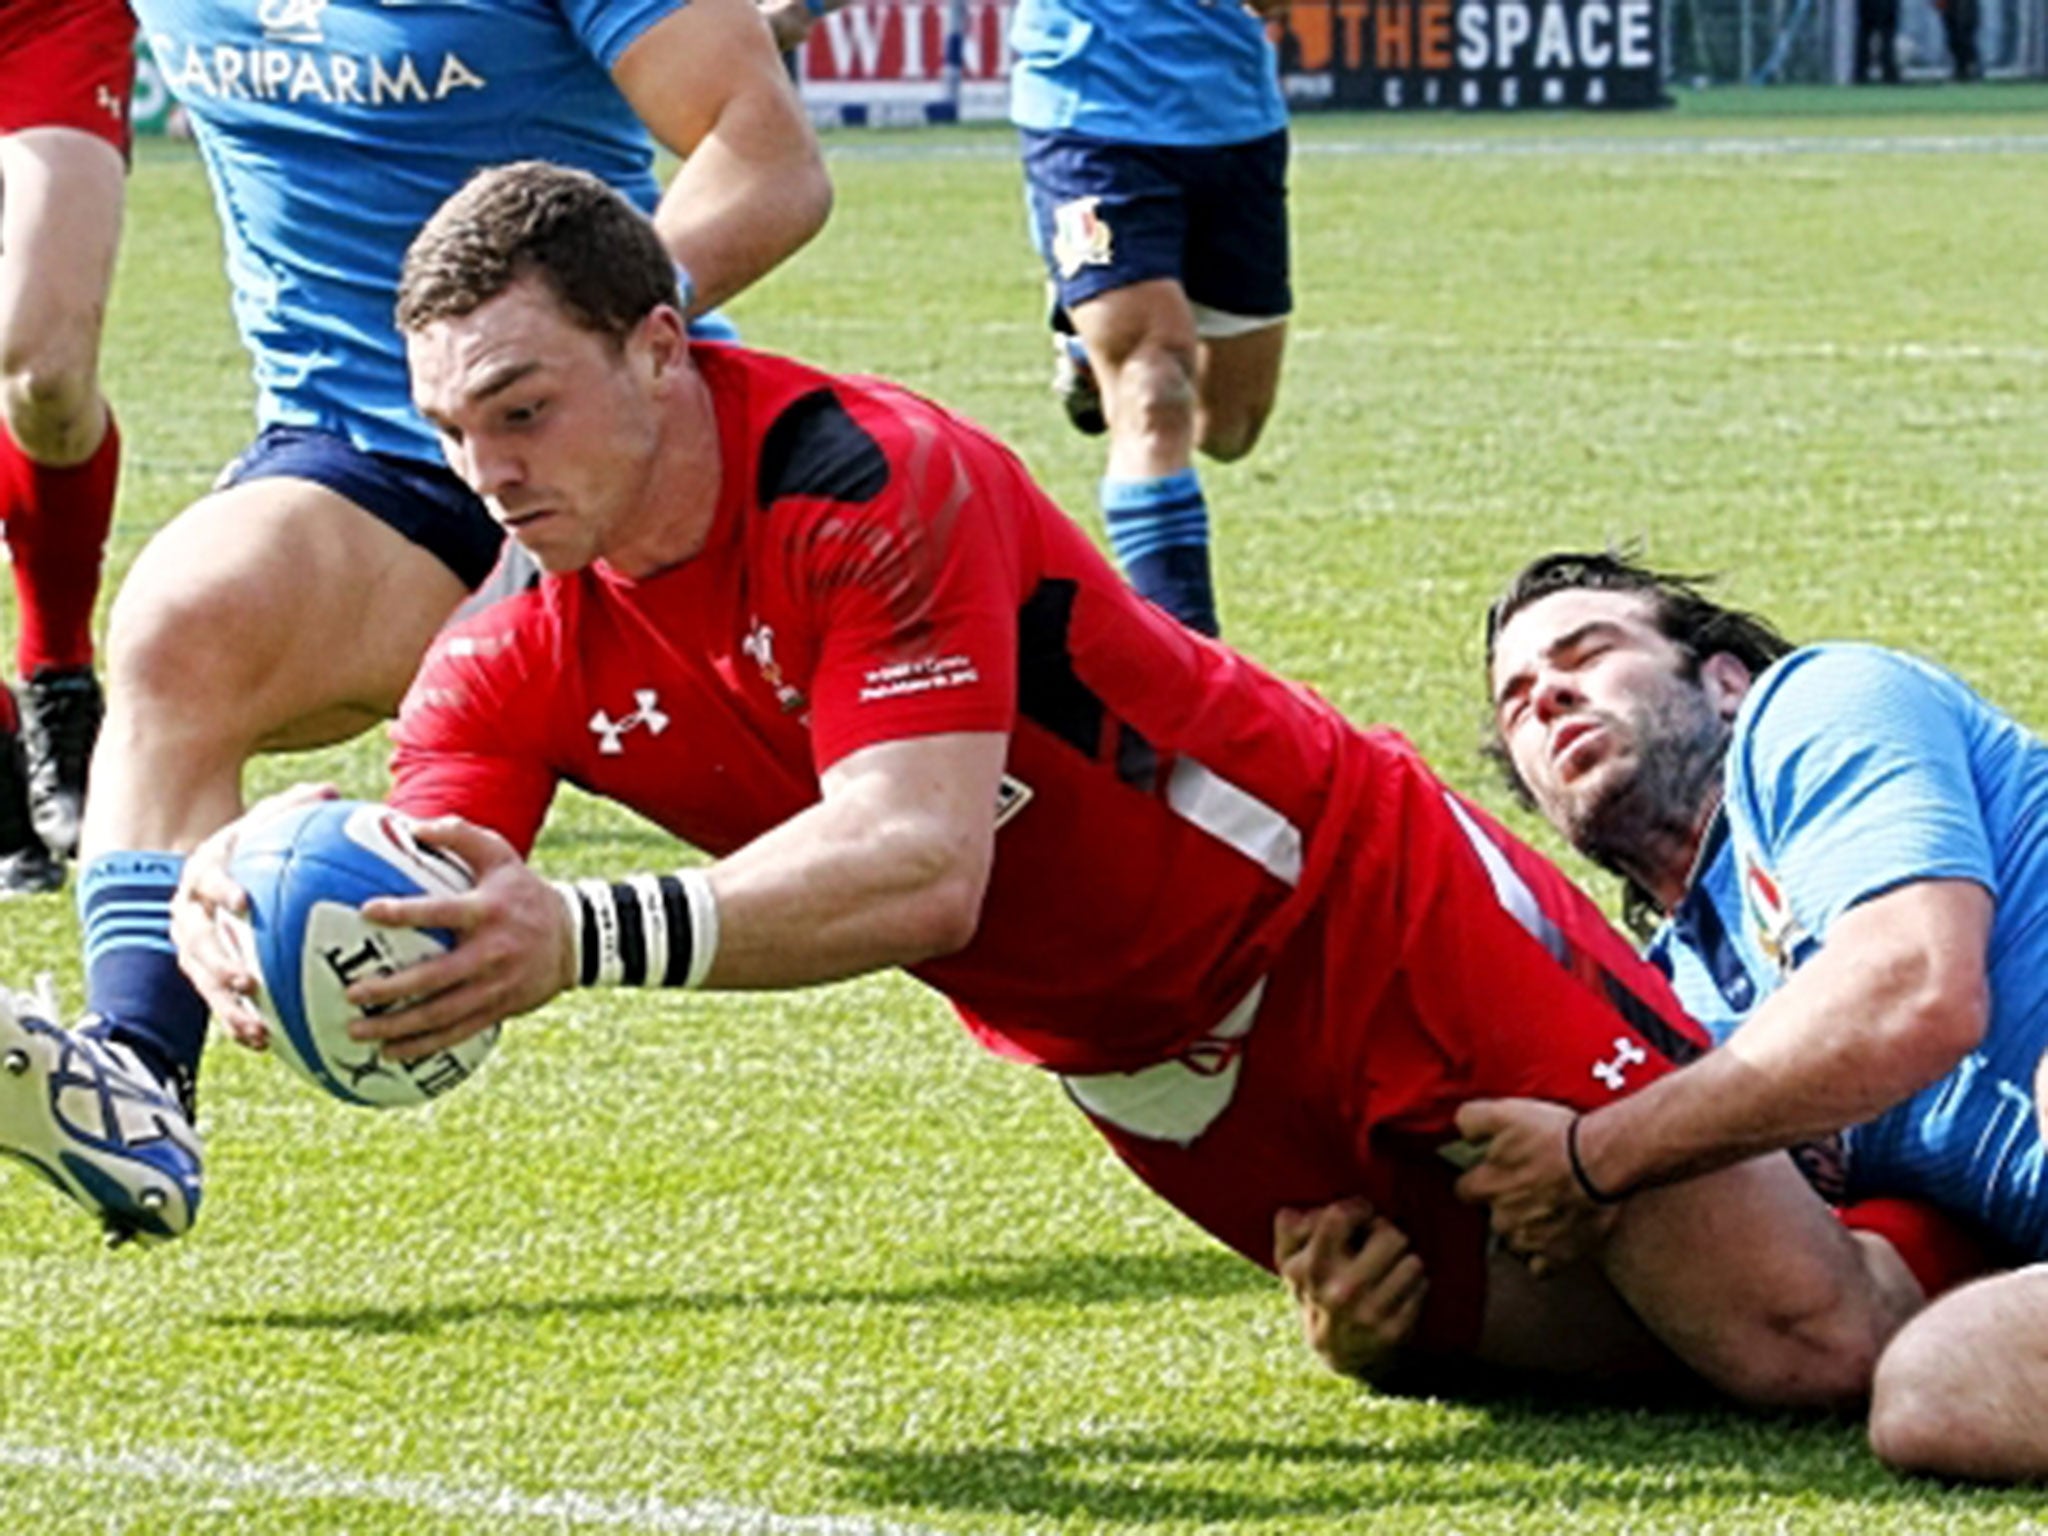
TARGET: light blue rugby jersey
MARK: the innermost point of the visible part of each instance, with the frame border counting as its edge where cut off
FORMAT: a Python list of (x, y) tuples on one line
[(1853, 770), (331, 129), (1177, 72)]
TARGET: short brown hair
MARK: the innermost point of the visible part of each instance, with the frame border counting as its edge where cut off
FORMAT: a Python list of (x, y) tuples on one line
[(596, 252)]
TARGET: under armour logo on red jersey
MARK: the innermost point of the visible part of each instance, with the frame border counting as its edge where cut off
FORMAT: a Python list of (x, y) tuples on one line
[(1626, 1054), (611, 734), (105, 99)]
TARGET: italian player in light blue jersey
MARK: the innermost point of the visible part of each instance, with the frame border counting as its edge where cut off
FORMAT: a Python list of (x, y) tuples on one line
[(1849, 850), (291, 606), (1155, 170)]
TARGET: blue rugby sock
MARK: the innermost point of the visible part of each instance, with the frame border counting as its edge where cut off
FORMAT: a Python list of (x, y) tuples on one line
[(132, 980), (1159, 529)]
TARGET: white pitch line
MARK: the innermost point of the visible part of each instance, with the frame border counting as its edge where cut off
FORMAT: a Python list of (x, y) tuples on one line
[(1741, 348), (1735, 146), (222, 1473), (1002, 147)]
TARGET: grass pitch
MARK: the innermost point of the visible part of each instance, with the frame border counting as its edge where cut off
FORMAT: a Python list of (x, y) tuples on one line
[(811, 1266)]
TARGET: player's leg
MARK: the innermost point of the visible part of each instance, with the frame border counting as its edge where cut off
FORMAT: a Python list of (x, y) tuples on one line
[(1144, 349), (1963, 1389), (1237, 379), (59, 226), (271, 615), (287, 609), (1111, 223), (1747, 1277), (67, 83), (1236, 274)]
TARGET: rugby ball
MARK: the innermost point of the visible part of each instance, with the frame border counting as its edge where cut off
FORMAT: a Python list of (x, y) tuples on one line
[(307, 872)]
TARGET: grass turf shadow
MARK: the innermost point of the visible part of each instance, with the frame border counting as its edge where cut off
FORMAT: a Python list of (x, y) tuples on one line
[(1075, 1280), (1517, 1464)]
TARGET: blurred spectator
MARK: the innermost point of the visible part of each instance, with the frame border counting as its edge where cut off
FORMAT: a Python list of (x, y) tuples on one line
[(1959, 22), (1878, 21)]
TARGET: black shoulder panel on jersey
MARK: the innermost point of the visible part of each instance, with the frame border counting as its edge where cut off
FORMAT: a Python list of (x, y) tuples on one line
[(816, 448), (1048, 692), (1051, 694)]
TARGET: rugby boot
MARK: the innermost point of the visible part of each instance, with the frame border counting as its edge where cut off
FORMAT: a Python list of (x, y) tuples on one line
[(26, 867), (92, 1119), (1074, 382), (60, 720)]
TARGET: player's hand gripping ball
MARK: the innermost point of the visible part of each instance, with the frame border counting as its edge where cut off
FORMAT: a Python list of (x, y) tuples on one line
[(307, 873)]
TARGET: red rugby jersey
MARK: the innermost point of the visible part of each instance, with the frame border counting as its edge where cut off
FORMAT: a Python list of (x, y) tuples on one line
[(879, 569)]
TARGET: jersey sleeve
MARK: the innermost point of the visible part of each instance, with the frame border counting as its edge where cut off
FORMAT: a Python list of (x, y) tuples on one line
[(1850, 775), (913, 595), (463, 746), (609, 27)]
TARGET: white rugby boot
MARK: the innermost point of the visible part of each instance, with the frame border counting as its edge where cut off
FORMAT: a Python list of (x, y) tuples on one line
[(86, 1114)]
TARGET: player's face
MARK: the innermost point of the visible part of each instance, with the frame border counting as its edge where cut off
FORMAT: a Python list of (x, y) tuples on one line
[(556, 427), (1617, 738)]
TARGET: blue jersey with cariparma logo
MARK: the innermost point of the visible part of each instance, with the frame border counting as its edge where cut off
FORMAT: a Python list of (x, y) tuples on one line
[(1175, 72), (1854, 770), (331, 129)]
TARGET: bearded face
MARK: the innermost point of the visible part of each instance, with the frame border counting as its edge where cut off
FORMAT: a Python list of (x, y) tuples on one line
[(1616, 732), (1653, 784)]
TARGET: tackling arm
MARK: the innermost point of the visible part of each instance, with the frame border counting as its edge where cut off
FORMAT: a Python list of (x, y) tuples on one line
[(1894, 1000), (709, 85), (1897, 996)]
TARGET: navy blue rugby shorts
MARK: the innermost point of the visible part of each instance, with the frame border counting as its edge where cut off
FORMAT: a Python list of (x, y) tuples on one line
[(420, 499), (1106, 215)]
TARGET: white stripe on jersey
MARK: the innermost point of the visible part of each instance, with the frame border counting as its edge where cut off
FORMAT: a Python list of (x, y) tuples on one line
[(1234, 816), (1510, 888)]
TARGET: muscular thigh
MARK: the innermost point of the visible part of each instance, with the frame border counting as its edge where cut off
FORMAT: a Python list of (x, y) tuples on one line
[(280, 612)]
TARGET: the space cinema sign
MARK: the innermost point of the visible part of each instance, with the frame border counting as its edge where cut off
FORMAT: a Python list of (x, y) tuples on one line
[(1503, 54)]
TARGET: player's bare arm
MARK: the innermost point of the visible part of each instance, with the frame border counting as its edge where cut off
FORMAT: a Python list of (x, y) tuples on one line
[(709, 85), (888, 868), (1892, 1002)]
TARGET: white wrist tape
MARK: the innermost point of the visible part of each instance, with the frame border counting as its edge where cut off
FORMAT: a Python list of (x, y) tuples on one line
[(643, 931)]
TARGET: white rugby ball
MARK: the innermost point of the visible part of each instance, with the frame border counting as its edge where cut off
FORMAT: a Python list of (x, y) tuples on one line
[(307, 873)]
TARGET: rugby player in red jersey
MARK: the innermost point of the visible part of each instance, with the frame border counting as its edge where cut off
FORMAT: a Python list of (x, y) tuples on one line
[(835, 637)]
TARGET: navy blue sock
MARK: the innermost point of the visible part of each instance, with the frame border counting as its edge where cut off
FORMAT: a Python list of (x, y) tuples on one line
[(132, 978), (1159, 529)]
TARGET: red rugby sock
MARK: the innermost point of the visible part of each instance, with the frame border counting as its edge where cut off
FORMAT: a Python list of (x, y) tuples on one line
[(57, 525)]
